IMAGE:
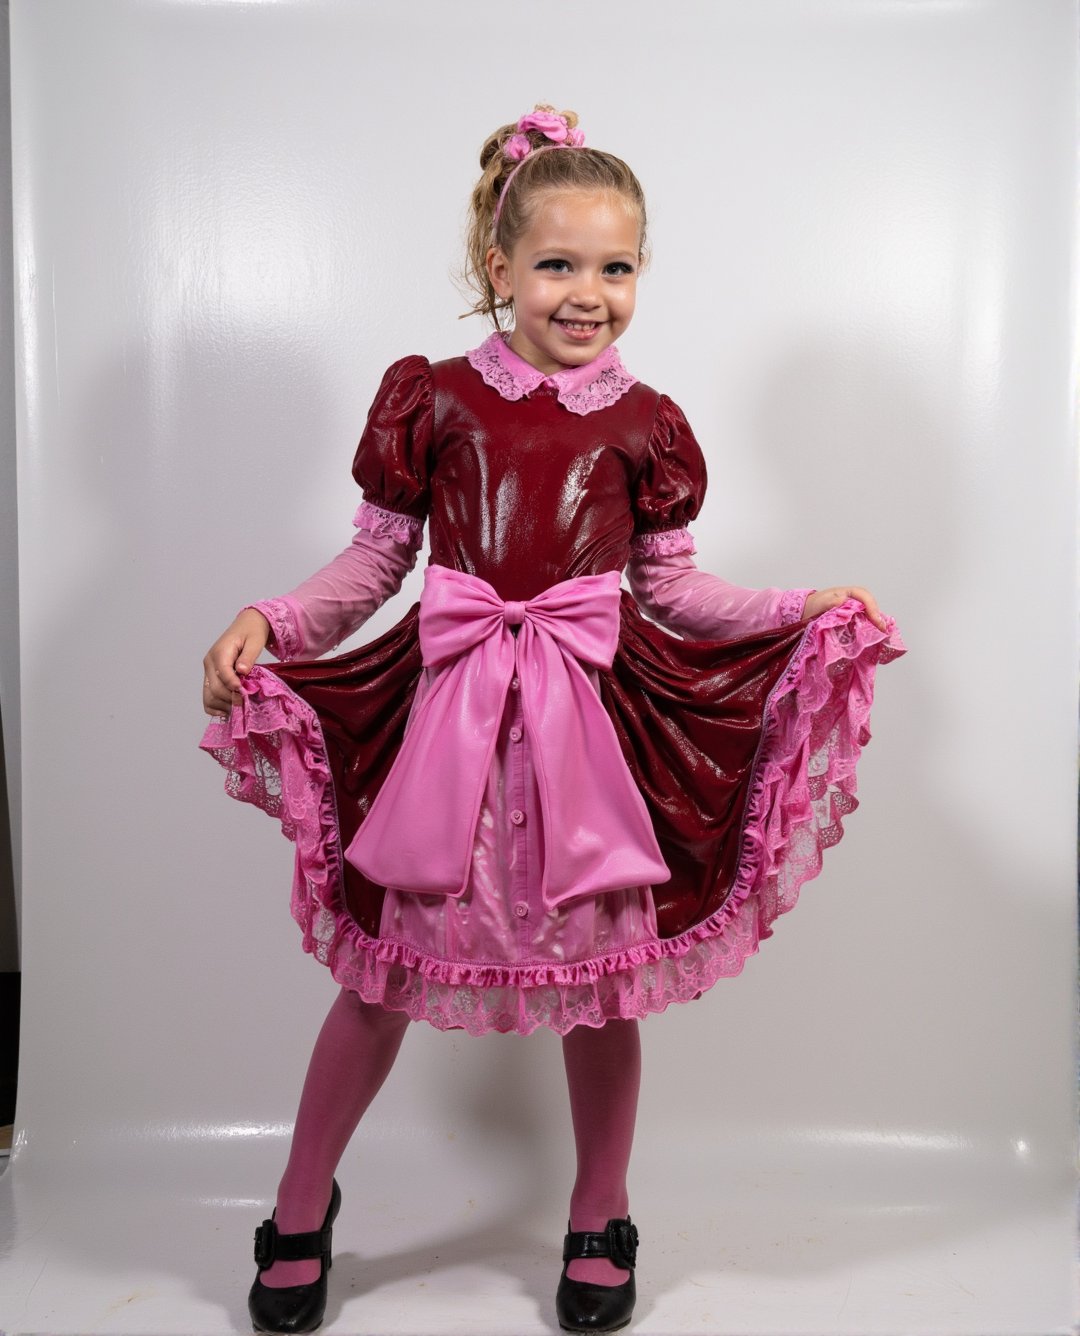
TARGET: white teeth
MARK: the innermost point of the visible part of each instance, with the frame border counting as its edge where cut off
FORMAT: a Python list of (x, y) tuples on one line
[(578, 324)]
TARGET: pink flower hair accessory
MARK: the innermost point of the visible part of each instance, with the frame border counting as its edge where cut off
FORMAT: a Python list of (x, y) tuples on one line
[(516, 148), (552, 125)]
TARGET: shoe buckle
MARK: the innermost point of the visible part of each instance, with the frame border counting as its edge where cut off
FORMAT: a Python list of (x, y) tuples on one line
[(622, 1241), (265, 1238)]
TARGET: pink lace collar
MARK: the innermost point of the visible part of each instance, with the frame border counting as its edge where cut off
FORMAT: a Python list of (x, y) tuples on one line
[(581, 389)]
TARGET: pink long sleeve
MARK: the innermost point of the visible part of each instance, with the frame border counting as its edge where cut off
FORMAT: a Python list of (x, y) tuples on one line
[(330, 605), (670, 589)]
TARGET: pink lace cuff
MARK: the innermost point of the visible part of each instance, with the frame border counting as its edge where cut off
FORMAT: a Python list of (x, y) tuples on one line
[(285, 641), (662, 542), (791, 605), (404, 529)]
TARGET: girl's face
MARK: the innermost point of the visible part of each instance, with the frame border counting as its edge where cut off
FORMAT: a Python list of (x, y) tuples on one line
[(573, 277)]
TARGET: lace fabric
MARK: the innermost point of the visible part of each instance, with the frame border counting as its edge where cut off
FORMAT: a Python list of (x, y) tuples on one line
[(662, 542), (285, 641), (816, 724), (404, 529), (608, 387), (792, 604), (584, 389)]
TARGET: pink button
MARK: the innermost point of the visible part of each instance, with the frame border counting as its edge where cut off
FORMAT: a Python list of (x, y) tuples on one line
[(521, 909), (514, 683), (517, 816), (515, 734)]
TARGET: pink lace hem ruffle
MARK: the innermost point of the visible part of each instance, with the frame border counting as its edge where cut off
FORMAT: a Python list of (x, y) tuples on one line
[(804, 784), (405, 529), (662, 543)]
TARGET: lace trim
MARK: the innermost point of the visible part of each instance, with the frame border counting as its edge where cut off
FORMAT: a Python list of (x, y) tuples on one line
[(608, 388), (405, 529), (662, 543), (286, 642), (791, 605), (607, 385), (816, 724), (494, 371)]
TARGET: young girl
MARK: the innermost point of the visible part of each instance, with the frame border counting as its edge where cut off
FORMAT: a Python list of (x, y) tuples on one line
[(527, 804)]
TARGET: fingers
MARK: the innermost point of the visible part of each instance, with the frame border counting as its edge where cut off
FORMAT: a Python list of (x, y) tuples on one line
[(211, 700), (253, 645), (823, 600), (870, 604), (230, 658), (250, 633), (220, 661), (217, 698)]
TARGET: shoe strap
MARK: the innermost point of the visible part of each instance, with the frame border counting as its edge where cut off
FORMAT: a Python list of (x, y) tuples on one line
[(272, 1246), (618, 1241)]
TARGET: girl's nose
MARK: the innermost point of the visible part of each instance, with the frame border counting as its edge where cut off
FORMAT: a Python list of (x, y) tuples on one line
[(585, 295)]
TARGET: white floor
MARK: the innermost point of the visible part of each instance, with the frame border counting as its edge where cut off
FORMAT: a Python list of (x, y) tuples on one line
[(846, 1235)]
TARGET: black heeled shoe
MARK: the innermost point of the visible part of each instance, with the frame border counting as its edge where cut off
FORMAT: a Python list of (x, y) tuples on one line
[(581, 1306), (292, 1307)]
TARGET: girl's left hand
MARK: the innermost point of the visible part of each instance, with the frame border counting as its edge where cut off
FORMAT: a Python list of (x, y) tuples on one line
[(821, 600)]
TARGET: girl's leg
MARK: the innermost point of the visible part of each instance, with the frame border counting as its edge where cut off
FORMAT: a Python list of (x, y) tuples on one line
[(353, 1055), (603, 1072)]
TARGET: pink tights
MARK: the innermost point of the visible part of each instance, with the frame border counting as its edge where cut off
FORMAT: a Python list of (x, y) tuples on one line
[(603, 1072), (353, 1055)]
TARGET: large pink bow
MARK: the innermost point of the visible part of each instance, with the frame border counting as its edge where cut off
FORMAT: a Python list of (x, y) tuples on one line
[(418, 835)]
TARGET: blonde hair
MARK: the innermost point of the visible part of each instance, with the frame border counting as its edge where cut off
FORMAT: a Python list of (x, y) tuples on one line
[(568, 169)]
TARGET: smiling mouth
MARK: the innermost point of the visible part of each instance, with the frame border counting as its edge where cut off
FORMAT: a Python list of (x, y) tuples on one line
[(579, 326)]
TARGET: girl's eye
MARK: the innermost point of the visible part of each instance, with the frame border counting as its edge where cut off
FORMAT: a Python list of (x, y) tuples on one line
[(615, 268)]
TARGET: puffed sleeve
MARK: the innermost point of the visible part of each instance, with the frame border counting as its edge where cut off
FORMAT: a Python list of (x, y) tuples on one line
[(662, 574), (670, 488), (393, 460), (392, 466)]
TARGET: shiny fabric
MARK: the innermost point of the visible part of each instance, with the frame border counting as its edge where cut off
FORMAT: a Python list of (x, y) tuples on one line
[(596, 833), (522, 493), (500, 932), (742, 750), (700, 606), (693, 709), (461, 963)]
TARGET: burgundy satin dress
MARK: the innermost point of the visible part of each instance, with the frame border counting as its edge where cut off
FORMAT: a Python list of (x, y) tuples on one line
[(743, 750)]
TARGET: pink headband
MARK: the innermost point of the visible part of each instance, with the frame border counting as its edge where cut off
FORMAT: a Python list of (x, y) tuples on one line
[(518, 147)]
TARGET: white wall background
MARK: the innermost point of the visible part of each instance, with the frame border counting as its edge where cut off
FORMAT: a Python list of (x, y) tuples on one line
[(9, 546), (229, 218)]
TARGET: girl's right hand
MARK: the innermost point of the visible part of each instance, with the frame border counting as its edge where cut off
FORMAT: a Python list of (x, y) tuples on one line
[(231, 657)]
